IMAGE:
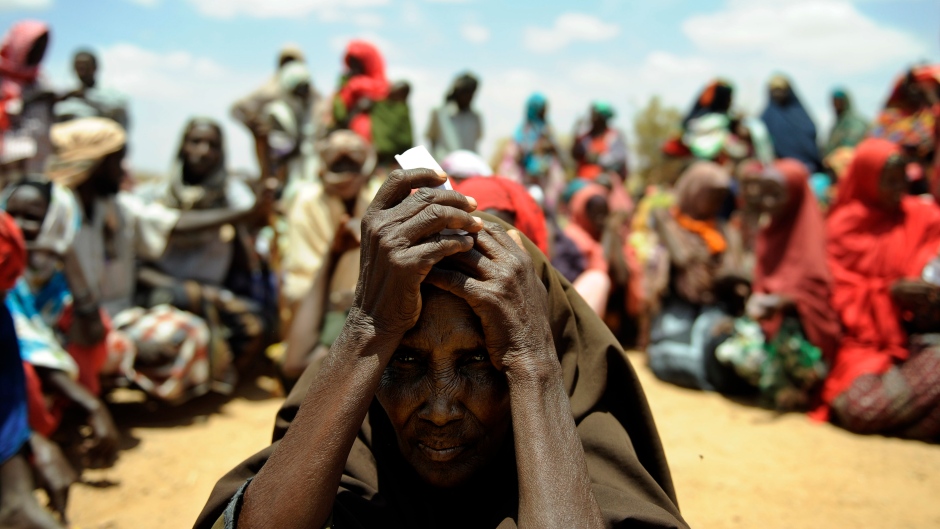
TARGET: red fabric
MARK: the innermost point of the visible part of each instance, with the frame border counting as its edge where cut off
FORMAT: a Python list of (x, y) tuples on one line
[(791, 260), (12, 252), (506, 195), (674, 147), (869, 249), (89, 358), (43, 418), (922, 74), (371, 84), (578, 228), (15, 49)]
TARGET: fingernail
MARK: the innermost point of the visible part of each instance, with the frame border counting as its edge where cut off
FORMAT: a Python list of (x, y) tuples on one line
[(473, 202), (478, 220)]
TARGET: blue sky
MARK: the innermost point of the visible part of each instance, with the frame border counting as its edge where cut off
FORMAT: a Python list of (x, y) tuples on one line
[(177, 58)]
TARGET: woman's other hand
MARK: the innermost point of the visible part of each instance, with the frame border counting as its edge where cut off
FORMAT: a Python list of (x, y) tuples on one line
[(401, 241)]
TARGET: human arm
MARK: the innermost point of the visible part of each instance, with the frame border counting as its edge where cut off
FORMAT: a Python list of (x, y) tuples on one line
[(401, 241), (54, 473), (102, 447), (498, 281)]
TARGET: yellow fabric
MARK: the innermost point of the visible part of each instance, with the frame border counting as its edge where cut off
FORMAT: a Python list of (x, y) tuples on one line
[(79, 147), (313, 219)]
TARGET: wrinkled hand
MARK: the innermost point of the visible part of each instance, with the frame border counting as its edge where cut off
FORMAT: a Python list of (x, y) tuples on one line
[(54, 473), (498, 281), (401, 241)]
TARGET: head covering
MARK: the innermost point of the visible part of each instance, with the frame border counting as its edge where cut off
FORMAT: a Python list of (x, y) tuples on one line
[(80, 146), (14, 52), (62, 221), (692, 185), (464, 81), (863, 175), (372, 82), (12, 252), (292, 75), (869, 249), (604, 108), (210, 192), (715, 97), (465, 164), (530, 130), (791, 129), (291, 52), (620, 442), (506, 195), (907, 122), (346, 143), (842, 93), (791, 260)]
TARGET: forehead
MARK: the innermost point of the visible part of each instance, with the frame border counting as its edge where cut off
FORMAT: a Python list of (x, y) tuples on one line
[(446, 320)]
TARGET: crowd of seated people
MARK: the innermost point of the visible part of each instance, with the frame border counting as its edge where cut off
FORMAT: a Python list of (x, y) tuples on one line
[(454, 357)]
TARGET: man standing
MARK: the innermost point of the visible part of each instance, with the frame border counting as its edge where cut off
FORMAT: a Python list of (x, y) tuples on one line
[(90, 99)]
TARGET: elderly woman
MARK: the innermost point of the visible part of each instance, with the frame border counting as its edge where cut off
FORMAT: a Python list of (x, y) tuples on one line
[(470, 387), (886, 371)]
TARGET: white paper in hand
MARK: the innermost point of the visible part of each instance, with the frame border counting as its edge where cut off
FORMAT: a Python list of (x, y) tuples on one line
[(419, 158)]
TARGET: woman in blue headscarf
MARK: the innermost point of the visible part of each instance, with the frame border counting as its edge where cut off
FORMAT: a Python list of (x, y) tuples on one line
[(791, 129), (532, 157)]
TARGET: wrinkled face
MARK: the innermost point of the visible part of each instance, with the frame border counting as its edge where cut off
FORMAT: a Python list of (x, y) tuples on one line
[(447, 403), (202, 150), (893, 183), (343, 178), (28, 207), (85, 69)]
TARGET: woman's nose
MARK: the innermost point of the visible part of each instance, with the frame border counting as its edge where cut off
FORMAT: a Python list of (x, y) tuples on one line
[(442, 407)]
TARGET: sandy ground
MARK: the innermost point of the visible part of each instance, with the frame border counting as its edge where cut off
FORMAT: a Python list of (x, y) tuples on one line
[(735, 466)]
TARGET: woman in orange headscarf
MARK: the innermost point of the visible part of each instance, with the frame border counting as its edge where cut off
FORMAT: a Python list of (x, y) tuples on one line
[(885, 376), (692, 303)]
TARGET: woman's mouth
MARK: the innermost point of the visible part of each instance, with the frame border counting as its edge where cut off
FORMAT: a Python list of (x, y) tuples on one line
[(441, 452)]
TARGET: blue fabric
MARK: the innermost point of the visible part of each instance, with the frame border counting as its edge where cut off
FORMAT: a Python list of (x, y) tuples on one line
[(679, 337), (532, 127), (793, 132), (14, 417), (35, 316)]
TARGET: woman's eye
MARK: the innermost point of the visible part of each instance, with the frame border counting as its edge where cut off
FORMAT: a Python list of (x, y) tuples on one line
[(479, 357), (405, 358)]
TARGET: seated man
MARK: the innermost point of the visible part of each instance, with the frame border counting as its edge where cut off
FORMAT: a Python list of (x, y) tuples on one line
[(469, 387)]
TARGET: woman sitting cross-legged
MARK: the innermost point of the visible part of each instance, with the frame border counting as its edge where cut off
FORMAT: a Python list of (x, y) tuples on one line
[(470, 387)]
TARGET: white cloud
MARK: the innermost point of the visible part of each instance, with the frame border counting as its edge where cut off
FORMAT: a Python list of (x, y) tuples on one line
[(13, 5), (145, 3), (276, 8), (568, 28), (830, 34), (475, 33), (167, 88)]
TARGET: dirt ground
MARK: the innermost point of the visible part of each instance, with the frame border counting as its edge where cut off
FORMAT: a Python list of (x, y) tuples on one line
[(735, 466)]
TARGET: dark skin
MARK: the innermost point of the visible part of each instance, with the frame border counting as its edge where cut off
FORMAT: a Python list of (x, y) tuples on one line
[(840, 105), (463, 97), (456, 394), (201, 153), (780, 94), (86, 68)]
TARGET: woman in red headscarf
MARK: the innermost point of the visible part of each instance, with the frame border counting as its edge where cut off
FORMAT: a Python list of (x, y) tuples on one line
[(25, 103), (511, 202), (885, 376), (363, 84)]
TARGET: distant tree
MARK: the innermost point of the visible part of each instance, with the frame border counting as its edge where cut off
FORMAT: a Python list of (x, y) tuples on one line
[(653, 125)]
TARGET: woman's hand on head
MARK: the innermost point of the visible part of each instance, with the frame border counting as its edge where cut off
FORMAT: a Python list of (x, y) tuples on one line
[(499, 282), (401, 241)]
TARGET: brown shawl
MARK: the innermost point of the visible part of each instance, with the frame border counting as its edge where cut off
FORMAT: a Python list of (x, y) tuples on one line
[(624, 456)]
